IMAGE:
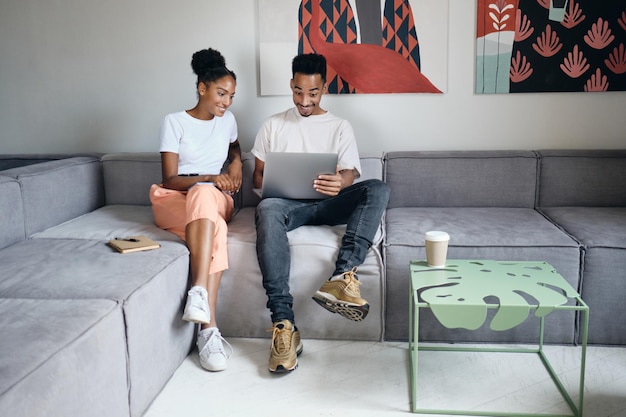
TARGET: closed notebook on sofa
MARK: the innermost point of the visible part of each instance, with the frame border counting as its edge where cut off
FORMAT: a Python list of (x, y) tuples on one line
[(133, 244)]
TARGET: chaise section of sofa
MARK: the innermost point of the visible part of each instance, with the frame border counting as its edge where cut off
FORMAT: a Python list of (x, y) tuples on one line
[(584, 192), (66, 257), (485, 200)]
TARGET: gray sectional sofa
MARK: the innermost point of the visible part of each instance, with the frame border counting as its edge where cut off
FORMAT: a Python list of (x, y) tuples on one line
[(88, 331)]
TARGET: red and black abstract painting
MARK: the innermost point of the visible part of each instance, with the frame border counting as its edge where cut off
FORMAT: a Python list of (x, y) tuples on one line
[(371, 46), (385, 60)]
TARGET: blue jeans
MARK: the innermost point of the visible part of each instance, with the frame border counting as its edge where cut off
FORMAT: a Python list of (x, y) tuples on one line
[(359, 206)]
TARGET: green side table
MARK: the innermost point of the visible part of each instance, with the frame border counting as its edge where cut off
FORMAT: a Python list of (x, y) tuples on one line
[(456, 294)]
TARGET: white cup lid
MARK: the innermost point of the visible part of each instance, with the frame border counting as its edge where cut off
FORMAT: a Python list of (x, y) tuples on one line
[(436, 236)]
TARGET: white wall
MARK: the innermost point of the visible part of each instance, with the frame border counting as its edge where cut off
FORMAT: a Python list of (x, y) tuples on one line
[(85, 75)]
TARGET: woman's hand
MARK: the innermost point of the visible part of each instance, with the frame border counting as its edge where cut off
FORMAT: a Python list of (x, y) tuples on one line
[(230, 181)]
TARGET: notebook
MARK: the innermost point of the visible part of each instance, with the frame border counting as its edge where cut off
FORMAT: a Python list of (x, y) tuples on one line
[(133, 244), (290, 174)]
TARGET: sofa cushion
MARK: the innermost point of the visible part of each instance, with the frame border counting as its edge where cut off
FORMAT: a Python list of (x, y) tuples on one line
[(490, 233), (461, 179), (56, 191), (79, 269), (602, 231), (313, 249), (12, 219), (62, 357), (128, 177), (109, 222), (591, 178), (603, 227), (474, 226)]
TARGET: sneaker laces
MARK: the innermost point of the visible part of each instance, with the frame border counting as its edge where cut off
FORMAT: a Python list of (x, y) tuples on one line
[(215, 344), (202, 294), (352, 282), (281, 338)]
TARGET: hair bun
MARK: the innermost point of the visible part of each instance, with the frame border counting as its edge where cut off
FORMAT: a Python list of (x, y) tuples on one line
[(204, 60)]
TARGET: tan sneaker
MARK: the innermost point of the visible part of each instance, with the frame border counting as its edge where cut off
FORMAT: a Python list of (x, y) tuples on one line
[(342, 295), (286, 346)]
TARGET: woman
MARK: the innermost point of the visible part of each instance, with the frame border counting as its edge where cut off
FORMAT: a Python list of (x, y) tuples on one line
[(195, 199)]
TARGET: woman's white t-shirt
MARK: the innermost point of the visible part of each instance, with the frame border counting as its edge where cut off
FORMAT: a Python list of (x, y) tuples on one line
[(291, 132), (201, 145)]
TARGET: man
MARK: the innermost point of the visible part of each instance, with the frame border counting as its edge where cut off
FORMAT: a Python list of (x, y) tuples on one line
[(309, 128)]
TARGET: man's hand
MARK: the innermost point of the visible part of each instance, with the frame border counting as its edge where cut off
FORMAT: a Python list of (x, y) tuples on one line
[(331, 184)]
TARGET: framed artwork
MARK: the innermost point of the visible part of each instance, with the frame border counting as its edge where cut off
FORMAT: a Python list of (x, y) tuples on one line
[(525, 46), (371, 46)]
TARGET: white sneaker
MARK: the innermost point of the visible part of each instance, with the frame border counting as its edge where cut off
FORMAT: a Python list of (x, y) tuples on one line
[(210, 344), (197, 307)]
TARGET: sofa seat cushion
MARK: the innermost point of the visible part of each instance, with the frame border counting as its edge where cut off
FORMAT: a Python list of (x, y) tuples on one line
[(474, 226), (592, 226), (602, 231), (242, 229), (489, 233), (79, 269), (109, 222), (73, 364), (313, 253)]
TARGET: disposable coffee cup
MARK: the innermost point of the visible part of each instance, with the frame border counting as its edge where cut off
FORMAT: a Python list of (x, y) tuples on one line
[(436, 248)]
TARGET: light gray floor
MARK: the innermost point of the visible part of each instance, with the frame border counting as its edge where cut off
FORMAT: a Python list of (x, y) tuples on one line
[(363, 379)]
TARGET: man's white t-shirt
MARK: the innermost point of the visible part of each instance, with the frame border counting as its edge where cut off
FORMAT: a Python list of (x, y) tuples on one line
[(201, 145), (291, 132)]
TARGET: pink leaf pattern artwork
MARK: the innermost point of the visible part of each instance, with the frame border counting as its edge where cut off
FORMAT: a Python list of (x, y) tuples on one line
[(616, 61), (523, 27), (573, 16), (575, 64), (599, 36), (622, 20), (548, 43), (520, 68), (551, 46), (597, 82)]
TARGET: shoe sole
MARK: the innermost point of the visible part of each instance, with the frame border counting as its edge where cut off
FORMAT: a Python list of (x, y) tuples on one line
[(282, 370), (350, 311), (196, 318)]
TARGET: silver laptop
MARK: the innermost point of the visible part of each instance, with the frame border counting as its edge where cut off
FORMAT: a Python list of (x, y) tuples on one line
[(291, 175)]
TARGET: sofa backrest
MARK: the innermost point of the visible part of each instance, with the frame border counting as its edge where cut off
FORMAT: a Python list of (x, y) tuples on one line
[(11, 212), (461, 179), (591, 178), (371, 165), (56, 191), (128, 177), (9, 161)]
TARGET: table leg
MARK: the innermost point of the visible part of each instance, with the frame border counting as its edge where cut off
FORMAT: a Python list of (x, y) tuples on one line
[(413, 344)]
